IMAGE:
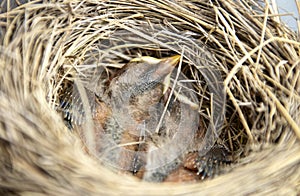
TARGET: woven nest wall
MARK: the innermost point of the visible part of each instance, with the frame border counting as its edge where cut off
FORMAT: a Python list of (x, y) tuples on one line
[(252, 58)]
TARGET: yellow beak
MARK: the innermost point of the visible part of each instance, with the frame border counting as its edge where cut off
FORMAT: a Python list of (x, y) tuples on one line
[(171, 62)]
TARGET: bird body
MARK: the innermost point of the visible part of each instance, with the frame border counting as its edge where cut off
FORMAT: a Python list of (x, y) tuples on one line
[(126, 122)]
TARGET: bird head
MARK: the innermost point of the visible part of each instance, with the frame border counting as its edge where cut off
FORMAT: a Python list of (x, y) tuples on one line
[(142, 74)]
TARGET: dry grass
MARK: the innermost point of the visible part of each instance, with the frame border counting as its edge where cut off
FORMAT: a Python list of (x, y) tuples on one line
[(256, 58)]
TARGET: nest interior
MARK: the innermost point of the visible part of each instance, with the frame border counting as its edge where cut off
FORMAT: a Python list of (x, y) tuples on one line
[(252, 57)]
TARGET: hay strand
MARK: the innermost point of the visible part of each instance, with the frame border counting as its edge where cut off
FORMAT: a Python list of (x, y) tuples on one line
[(232, 49)]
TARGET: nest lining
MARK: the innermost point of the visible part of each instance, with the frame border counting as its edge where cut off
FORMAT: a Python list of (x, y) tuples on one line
[(256, 55)]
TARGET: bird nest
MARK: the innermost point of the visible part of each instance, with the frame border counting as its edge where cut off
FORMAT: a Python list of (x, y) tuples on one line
[(240, 61)]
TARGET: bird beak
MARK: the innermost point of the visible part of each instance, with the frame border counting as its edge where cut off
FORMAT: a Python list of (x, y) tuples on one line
[(166, 67), (171, 61)]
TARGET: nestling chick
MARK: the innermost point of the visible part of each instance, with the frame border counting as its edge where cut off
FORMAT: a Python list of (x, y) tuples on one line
[(138, 86), (136, 129), (136, 101)]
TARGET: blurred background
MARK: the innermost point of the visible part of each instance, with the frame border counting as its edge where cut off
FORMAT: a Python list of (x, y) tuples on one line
[(290, 7)]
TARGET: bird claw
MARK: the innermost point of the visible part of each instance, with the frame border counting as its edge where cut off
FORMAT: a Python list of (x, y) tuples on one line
[(209, 165)]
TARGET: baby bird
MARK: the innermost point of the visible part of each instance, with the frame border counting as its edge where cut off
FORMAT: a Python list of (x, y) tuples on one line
[(137, 103), (138, 87), (140, 126)]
